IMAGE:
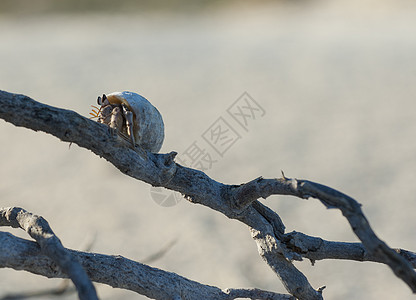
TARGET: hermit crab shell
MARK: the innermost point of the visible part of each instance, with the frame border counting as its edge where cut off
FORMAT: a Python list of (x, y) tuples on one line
[(148, 127)]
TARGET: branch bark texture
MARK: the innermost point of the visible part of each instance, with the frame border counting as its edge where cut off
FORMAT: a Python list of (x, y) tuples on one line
[(119, 272), (50, 245)]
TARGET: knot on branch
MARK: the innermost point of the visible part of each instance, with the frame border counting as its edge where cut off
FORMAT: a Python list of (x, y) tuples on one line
[(301, 243), (166, 165)]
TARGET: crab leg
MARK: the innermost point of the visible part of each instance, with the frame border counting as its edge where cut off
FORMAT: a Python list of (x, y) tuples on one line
[(129, 123)]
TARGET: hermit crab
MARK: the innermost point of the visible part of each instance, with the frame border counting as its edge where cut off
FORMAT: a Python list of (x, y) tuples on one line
[(132, 117)]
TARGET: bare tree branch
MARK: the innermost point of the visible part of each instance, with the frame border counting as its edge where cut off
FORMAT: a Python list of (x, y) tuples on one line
[(119, 272), (38, 228), (65, 287), (256, 294), (235, 201), (156, 169), (315, 248), (331, 198)]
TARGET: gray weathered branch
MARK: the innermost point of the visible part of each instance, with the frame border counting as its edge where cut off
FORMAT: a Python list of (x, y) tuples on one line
[(155, 169), (235, 201), (315, 248), (119, 272), (50, 245), (331, 198)]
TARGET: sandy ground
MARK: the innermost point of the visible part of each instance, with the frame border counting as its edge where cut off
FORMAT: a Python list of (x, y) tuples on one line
[(337, 85)]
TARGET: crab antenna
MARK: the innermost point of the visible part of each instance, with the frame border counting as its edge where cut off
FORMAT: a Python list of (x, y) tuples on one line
[(95, 113)]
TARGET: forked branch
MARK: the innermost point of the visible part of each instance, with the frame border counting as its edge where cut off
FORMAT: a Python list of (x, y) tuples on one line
[(119, 272), (50, 245), (238, 202)]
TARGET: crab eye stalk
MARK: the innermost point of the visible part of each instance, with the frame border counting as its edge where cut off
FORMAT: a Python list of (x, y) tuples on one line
[(101, 100)]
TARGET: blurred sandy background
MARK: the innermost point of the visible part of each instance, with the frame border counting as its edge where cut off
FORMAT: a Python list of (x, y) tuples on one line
[(337, 82)]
